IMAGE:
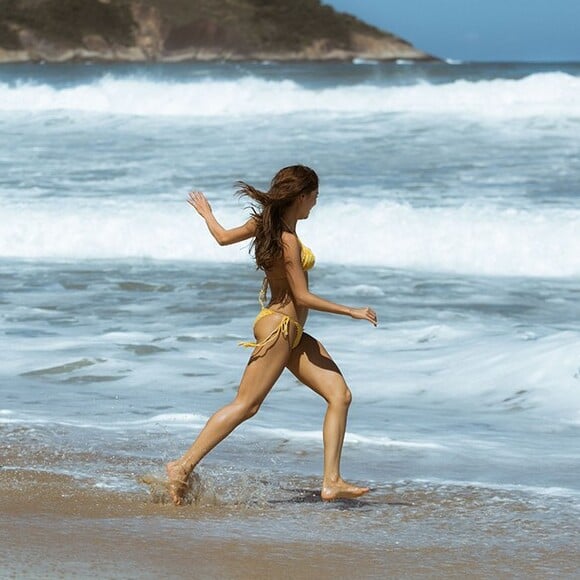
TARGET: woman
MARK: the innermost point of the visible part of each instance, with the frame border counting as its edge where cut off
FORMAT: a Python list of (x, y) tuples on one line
[(278, 328)]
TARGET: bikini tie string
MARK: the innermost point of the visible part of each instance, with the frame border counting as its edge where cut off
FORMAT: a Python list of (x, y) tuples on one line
[(282, 328)]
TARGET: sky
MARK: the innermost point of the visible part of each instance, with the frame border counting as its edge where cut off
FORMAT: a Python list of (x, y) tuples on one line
[(478, 30)]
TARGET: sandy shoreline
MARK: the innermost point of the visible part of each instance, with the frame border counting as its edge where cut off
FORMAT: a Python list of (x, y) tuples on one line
[(54, 526)]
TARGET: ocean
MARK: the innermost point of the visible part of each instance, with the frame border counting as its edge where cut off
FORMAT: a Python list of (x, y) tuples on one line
[(449, 202)]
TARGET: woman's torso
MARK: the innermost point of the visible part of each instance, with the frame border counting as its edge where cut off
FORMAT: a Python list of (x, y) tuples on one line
[(282, 299)]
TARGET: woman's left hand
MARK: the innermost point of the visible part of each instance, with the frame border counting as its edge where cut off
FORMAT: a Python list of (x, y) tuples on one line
[(365, 314)]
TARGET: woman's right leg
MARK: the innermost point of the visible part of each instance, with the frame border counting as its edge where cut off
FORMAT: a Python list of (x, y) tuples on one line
[(265, 366), (314, 367)]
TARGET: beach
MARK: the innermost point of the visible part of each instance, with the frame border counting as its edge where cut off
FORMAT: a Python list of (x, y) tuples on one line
[(448, 202), (55, 527)]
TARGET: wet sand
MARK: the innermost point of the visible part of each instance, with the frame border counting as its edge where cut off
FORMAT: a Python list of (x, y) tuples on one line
[(55, 526)]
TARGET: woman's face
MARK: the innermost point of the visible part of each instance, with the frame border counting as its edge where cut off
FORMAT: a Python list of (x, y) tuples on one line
[(307, 202)]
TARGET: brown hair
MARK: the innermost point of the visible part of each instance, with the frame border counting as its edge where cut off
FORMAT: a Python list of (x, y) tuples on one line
[(286, 186)]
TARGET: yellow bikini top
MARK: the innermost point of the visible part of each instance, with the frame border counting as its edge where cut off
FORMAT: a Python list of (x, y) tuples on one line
[(307, 258)]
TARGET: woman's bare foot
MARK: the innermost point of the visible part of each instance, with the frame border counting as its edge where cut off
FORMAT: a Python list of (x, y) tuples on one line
[(178, 483), (340, 489)]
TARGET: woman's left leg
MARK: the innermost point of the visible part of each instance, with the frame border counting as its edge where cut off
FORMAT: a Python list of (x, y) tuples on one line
[(312, 365), (264, 367)]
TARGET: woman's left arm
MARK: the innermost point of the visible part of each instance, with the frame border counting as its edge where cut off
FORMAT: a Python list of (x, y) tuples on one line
[(299, 288), (223, 236)]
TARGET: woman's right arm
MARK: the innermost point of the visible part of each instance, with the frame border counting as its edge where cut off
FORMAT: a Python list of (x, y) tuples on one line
[(223, 236), (299, 288)]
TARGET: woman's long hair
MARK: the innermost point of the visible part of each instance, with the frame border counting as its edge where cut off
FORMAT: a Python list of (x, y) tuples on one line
[(287, 185)]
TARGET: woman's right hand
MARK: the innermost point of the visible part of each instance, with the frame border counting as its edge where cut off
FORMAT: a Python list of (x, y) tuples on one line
[(199, 202), (365, 313)]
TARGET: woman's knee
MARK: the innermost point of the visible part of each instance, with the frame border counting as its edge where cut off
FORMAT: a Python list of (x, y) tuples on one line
[(341, 395), (247, 409), (346, 396)]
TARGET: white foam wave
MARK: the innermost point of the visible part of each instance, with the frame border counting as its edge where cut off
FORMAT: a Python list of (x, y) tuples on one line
[(350, 438), (174, 420), (532, 490), (473, 240), (553, 94), (500, 370), (365, 61), (362, 290)]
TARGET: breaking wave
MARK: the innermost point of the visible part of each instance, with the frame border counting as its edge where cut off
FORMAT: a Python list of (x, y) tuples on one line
[(552, 94)]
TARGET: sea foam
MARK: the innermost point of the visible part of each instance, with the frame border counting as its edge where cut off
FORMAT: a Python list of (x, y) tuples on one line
[(163, 420), (554, 94), (471, 240), (350, 438)]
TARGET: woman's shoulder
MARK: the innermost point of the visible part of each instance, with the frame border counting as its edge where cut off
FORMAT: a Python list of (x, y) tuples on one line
[(290, 239)]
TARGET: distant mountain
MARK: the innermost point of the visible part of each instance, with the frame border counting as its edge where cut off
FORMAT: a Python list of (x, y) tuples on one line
[(177, 30)]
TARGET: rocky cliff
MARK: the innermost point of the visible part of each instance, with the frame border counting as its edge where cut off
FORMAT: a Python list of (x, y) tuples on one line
[(176, 30)]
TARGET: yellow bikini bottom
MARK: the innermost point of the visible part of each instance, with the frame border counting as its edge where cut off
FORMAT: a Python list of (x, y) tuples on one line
[(281, 329)]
